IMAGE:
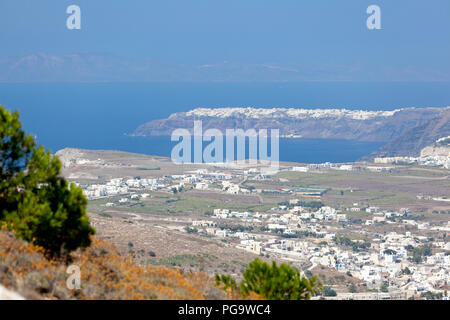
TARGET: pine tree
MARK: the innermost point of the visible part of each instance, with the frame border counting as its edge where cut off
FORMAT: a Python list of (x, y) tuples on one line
[(272, 282), (35, 201)]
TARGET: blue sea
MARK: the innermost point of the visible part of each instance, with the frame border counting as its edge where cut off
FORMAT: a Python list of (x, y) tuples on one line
[(99, 115)]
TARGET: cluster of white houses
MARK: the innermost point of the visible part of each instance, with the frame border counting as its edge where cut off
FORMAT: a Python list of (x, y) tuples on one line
[(431, 161), (294, 231), (383, 262), (120, 186)]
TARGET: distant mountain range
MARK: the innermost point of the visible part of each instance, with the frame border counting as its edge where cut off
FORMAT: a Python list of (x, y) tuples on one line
[(42, 67), (406, 131)]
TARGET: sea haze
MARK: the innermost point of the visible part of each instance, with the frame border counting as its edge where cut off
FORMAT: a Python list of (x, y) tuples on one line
[(98, 115)]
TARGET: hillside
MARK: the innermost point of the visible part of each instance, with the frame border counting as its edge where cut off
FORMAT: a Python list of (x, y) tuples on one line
[(440, 148), (307, 123), (24, 270), (411, 142)]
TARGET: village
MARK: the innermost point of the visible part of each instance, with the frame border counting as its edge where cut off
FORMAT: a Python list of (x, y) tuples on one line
[(395, 252), (384, 263)]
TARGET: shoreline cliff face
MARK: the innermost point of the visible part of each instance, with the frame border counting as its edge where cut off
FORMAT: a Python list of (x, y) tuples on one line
[(384, 126), (415, 139)]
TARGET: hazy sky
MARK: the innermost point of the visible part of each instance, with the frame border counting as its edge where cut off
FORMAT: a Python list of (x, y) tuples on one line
[(415, 33)]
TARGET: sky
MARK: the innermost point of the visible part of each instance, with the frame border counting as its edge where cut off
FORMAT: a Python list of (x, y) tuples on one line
[(415, 34)]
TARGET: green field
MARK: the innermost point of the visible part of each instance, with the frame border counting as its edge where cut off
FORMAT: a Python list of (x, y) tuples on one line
[(174, 204)]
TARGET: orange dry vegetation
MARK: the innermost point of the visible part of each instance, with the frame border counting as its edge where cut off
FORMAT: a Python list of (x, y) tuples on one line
[(104, 275)]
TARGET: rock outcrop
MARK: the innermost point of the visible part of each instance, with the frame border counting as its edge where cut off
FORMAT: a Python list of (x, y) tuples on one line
[(6, 294)]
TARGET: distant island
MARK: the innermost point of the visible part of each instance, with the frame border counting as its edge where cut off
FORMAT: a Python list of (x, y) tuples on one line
[(406, 131)]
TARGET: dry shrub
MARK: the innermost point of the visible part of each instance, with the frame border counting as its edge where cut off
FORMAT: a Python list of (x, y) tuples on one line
[(104, 275), (111, 276), (24, 268)]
